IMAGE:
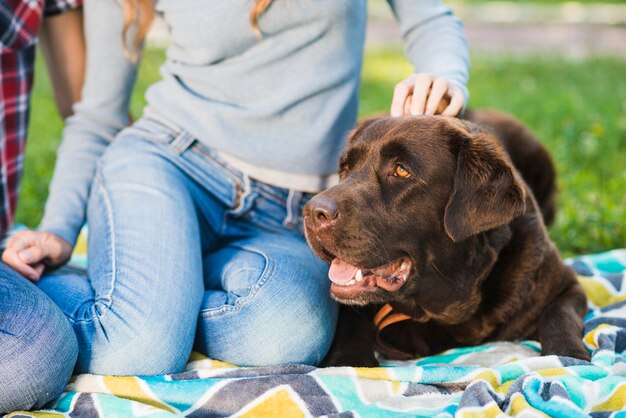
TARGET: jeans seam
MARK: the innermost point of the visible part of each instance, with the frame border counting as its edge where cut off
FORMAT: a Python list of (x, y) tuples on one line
[(242, 301), (111, 233), (101, 189)]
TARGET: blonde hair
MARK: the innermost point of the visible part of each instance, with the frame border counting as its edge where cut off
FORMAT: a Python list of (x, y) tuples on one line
[(137, 13), (260, 6), (140, 13)]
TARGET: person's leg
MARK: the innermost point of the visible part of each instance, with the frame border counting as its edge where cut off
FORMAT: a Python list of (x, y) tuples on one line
[(267, 299), (38, 348), (136, 313)]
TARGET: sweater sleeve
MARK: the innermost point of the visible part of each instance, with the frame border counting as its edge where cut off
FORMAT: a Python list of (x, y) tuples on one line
[(434, 39), (98, 117)]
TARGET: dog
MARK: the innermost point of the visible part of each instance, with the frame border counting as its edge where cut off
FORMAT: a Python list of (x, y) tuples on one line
[(436, 238)]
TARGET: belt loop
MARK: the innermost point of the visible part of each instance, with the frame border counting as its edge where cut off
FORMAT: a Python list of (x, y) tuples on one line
[(243, 191), (293, 205), (183, 141)]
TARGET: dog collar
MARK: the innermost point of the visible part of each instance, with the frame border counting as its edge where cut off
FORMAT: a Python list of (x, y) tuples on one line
[(384, 318)]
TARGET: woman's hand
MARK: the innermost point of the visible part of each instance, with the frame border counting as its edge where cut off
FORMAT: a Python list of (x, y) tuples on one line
[(426, 94), (29, 252)]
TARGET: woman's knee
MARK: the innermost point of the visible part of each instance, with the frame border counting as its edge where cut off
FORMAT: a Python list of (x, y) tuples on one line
[(141, 357), (114, 344), (282, 336), (291, 319), (294, 336), (38, 348)]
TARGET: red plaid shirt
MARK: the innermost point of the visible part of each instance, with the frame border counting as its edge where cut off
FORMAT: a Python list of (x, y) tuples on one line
[(19, 24)]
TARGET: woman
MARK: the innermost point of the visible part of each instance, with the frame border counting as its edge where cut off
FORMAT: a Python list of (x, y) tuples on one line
[(194, 211)]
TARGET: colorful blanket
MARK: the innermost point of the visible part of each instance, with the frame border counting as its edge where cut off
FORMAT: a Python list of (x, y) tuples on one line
[(501, 379)]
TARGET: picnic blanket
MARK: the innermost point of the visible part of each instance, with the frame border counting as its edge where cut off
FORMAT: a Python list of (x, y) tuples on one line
[(499, 379)]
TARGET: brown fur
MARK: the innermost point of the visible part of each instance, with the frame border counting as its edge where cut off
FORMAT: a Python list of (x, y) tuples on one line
[(482, 265)]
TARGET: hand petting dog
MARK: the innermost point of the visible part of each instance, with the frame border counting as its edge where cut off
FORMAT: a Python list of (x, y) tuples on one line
[(426, 94)]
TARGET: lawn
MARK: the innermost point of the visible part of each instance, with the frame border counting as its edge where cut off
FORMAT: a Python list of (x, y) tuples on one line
[(576, 108)]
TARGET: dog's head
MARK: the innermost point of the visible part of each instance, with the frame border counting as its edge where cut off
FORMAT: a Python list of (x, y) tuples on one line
[(415, 194)]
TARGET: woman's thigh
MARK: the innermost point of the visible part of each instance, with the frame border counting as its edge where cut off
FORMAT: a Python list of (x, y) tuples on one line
[(137, 310), (37, 346), (267, 302)]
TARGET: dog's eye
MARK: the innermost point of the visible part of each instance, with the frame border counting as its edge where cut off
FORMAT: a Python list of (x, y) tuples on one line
[(400, 171)]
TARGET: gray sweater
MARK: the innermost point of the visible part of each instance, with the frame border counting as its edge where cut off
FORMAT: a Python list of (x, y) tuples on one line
[(277, 107)]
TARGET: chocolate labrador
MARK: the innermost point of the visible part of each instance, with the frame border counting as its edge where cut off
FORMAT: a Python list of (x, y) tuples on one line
[(436, 238)]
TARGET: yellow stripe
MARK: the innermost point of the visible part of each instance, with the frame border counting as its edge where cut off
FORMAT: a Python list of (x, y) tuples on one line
[(617, 298), (553, 372), (195, 356), (128, 387), (519, 404), (596, 292), (488, 376), (591, 337), (488, 412), (373, 373), (280, 404), (503, 389), (615, 403)]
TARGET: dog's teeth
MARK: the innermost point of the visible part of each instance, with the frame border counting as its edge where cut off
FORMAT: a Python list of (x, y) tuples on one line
[(359, 275)]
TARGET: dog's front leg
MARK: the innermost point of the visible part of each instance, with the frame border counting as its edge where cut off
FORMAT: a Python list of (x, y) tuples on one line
[(560, 325), (353, 344)]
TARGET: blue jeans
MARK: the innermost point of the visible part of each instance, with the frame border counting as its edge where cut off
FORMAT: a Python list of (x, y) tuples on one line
[(184, 248), (37, 346)]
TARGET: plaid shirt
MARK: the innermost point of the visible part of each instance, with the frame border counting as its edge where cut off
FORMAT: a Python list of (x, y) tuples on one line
[(19, 24)]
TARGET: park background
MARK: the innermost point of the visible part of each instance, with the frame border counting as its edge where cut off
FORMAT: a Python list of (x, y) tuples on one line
[(558, 66)]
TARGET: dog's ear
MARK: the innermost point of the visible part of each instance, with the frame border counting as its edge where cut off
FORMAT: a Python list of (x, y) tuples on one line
[(487, 191)]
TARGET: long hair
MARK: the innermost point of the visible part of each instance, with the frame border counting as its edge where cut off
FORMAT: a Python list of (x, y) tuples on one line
[(260, 6), (140, 13)]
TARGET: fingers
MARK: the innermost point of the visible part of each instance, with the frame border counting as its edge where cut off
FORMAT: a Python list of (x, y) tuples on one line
[(456, 104), (27, 246), (422, 88), (39, 268), (401, 93), (56, 250), (11, 258), (31, 255), (437, 92), (407, 106), (25, 254), (425, 94)]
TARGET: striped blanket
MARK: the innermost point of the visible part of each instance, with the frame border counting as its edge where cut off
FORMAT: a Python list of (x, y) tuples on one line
[(499, 379)]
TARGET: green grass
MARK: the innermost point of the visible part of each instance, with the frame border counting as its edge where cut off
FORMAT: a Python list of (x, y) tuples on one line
[(577, 108)]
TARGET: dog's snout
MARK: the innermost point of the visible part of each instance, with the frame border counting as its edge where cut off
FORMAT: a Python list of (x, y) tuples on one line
[(322, 210)]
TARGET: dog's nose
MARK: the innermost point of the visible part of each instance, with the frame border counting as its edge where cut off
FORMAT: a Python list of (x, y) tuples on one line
[(322, 210)]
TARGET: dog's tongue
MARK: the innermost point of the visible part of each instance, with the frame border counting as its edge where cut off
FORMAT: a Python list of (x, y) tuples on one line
[(341, 272)]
